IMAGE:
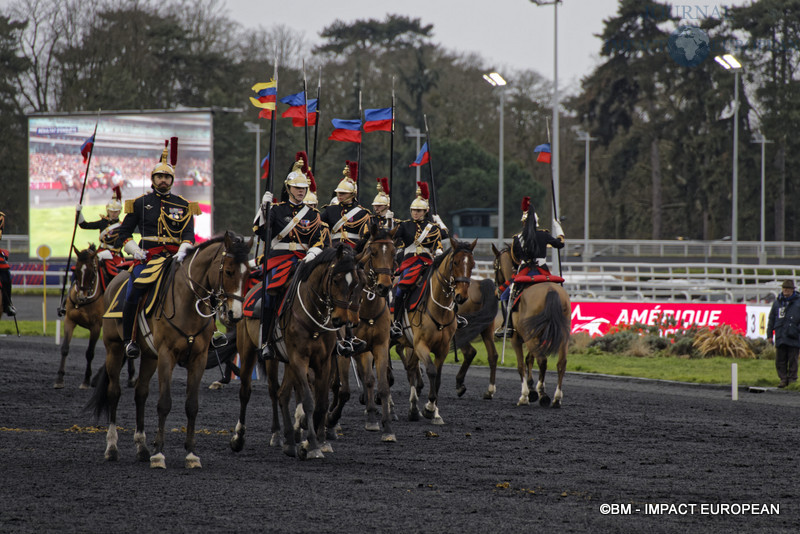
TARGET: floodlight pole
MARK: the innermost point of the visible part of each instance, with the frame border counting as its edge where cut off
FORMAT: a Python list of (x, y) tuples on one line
[(762, 253), (255, 128), (584, 136)]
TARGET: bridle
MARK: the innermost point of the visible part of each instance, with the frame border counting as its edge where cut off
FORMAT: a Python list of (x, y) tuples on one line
[(449, 285), (216, 298), (373, 272), (95, 289), (324, 304)]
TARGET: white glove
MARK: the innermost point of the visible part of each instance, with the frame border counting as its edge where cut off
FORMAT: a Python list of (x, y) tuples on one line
[(389, 214), (438, 252), (105, 255), (312, 253), (78, 208), (439, 222), (135, 250), (182, 250), (266, 199), (557, 230)]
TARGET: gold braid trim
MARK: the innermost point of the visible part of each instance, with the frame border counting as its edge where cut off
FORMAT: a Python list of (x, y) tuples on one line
[(129, 206), (194, 208)]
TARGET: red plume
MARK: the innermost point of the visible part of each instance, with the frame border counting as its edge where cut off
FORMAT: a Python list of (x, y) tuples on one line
[(423, 187), (173, 151), (384, 184), (353, 170), (117, 193), (526, 204), (302, 154), (313, 185)]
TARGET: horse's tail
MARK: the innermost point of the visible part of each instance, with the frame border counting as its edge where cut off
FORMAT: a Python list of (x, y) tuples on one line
[(550, 326), (481, 318), (98, 404)]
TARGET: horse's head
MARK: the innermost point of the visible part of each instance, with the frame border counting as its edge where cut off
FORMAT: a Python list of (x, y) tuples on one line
[(461, 268), (377, 259), (230, 278), (86, 267), (503, 267), (343, 286)]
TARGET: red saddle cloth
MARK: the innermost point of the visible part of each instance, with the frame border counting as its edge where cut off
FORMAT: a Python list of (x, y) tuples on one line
[(527, 277)]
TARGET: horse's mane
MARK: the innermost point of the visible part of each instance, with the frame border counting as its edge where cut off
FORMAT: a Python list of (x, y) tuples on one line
[(83, 255), (459, 246), (239, 250), (380, 233), (327, 255)]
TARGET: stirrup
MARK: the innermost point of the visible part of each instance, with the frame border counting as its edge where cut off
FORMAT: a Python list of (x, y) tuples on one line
[(359, 345), (396, 331), (266, 352), (344, 348), (132, 350), (461, 322), (11, 311), (502, 332)]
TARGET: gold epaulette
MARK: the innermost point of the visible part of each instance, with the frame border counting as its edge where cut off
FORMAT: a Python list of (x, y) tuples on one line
[(194, 208), (129, 206)]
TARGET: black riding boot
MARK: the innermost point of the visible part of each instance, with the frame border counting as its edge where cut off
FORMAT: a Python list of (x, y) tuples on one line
[(128, 318), (5, 282), (399, 307), (267, 353), (505, 330)]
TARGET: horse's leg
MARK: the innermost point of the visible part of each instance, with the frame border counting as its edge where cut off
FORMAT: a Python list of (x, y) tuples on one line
[(246, 350), (271, 370), (69, 327), (364, 369), (301, 377), (492, 357), (316, 426), (414, 382), (380, 356), (194, 375), (146, 369), (431, 410), (284, 393), (541, 360), (166, 363), (561, 366), (113, 365), (516, 342), (340, 388), (94, 335), (469, 354), (131, 373)]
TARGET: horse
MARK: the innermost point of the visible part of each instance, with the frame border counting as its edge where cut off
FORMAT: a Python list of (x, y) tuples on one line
[(429, 328), (541, 320), (207, 284), (481, 311), (377, 261), (317, 304), (85, 308)]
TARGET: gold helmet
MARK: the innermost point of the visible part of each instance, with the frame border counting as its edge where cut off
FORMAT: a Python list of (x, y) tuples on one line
[(382, 198), (311, 197), (115, 204), (299, 175), (348, 183), (421, 202), (167, 168)]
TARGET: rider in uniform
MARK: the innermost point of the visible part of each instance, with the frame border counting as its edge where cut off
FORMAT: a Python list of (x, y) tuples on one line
[(5, 274), (109, 252), (295, 234), (382, 215), (528, 255), (312, 201), (166, 224), (418, 241)]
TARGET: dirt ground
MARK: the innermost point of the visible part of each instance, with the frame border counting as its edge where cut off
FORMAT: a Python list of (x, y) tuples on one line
[(616, 449)]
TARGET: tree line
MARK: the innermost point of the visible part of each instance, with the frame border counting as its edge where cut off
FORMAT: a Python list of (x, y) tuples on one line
[(661, 165)]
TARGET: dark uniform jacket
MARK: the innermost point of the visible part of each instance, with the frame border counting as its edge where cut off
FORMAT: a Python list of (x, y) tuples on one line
[(109, 231), (348, 223), (290, 233), (784, 319), (543, 238), (386, 223), (164, 222), (407, 236)]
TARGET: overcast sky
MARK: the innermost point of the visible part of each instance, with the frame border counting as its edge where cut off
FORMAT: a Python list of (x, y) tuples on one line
[(509, 34)]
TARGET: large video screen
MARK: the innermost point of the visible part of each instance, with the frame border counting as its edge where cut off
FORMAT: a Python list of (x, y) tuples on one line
[(127, 146)]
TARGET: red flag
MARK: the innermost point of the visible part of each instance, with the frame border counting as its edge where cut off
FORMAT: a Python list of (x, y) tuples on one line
[(87, 147)]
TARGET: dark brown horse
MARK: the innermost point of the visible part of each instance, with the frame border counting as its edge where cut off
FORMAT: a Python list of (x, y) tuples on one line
[(541, 321), (430, 327), (377, 261), (85, 308), (481, 311), (207, 284), (317, 304)]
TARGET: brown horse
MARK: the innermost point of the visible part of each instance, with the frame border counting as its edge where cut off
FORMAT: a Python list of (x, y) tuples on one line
[(481, 311), (85, 308), (541, 320), (317, 304), (207, 284), (430, 327), (377, 261)]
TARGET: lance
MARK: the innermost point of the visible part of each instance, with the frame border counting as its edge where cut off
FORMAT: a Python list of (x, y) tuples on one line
[(553, 194), (316, 124), (266, 209), (430, 166), (391, 150), (360, 118), (61, 308), (305, 105)]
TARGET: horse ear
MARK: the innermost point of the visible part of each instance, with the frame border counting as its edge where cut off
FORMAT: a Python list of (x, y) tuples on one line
[(76, 250), (228, 240), (494, 249), (453, 243), (472, 246), (250, 243), (92, 247)]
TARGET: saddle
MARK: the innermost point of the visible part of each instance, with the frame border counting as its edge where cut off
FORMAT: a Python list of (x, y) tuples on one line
[(152, 278), (523, 280)]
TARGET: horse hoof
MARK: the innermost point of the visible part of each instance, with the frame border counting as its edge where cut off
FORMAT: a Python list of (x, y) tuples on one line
[(544, 401), (289, 450), (157, 461), (216, 384), (533, 396), (275, 440), (556, 404), (389, 438), (438, 420), (143, 455), (59, 384), (488, 395), (330, 433), (315, 454), (237, 443), (84, 385), (461, 389), (523, 401), (427, 414), (372, 427), (112, 454), (192, 461), (326, 447), (413, 414)]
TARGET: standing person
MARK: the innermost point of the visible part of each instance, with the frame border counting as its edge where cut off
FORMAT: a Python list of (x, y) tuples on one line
[(5, 274), (784, 322), (528, 255), (109, 252), (166, 224), (383, 216), (295, 234)]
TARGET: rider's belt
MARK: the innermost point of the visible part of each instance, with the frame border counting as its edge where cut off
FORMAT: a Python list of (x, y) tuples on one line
[(416, 251), (288, 246), (159, 239), (345, 235)]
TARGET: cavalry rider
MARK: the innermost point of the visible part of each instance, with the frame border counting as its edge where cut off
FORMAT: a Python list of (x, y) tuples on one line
[(419, 241), (312, 201), (528, 255), (166, 224), (108, 224), (295, 234), (383, 216), (349, 223), (5, 274)]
